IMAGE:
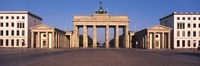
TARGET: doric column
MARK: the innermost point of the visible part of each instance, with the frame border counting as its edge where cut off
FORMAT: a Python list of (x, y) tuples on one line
[(37, 40), (56, 45), (74, 36), (116, 36), (77, 44), (94, 37), (32, 39), (107, 36), (163, 42), (147, 40), (53, 39), (47, 39), (130, 40), (85, 37), (126, 37), (58, 41), (154, 39), (169, 46), (151, 40)]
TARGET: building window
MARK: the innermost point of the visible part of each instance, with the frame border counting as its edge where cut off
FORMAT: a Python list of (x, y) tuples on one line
[(199, 18), (6, 17), (199, 33), (194, 25), (183, 25), (22, 32), (178, 18), (23, 17), (1, 42), (183, 43), (7, 42), (12, 42), (12, 33), (194, 33), (1, 24), (44, 43), (183, 18), (17, 17), (23, 42), (44, 35), (22, 25), (1, 32), (194, 43), (178, 33), (199, 25), (188, 25), (17, 32), (178, 43), (188, 18), (188, 33), (178, 26), (1, 17), (7, 32), (12, 17), (199, 44), (17, 42), (12, 24), (7, 24), (194, 18), (183, 33), (188, 43)]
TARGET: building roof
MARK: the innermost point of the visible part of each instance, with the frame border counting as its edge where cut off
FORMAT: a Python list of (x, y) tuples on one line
[(52, 28), (20, 12), (181, 13)]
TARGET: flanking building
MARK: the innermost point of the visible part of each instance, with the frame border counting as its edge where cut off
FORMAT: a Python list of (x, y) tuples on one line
[(14, 28), (43, 36), (185, 29), (155, 37)]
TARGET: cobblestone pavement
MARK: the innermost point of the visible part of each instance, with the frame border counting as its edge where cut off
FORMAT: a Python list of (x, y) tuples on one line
[(101, 57)]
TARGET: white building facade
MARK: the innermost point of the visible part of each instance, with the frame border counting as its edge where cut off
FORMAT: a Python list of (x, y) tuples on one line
[(14, 28), (185, 29)]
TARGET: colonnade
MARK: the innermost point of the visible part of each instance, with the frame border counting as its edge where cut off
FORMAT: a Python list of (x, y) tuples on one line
[(85, 36)]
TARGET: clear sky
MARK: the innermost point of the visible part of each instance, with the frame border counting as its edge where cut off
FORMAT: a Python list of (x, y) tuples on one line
[(142, 13)]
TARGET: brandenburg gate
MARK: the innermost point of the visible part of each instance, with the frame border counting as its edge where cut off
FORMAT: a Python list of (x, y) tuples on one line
[(100, 19)]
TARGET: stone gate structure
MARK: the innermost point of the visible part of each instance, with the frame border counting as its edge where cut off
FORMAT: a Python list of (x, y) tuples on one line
[(100, 19)]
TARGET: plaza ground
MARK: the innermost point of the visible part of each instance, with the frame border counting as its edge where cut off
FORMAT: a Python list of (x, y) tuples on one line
[(97, 57)]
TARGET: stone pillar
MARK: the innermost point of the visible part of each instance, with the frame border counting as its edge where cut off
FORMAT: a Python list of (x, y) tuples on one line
[(32, 39), (116, 36), (74, 36), (169, 38), (107, 36), (53, 39), (85, 37), (163, 42), (154, 39), (126, 37), (39, 40), (58, 41), (77, 44), (147, 40), (130, 41), (56, 45), (94, 37), (47, 39)]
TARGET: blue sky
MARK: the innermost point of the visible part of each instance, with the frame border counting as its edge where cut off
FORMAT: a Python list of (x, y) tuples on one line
[(142, 13)]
